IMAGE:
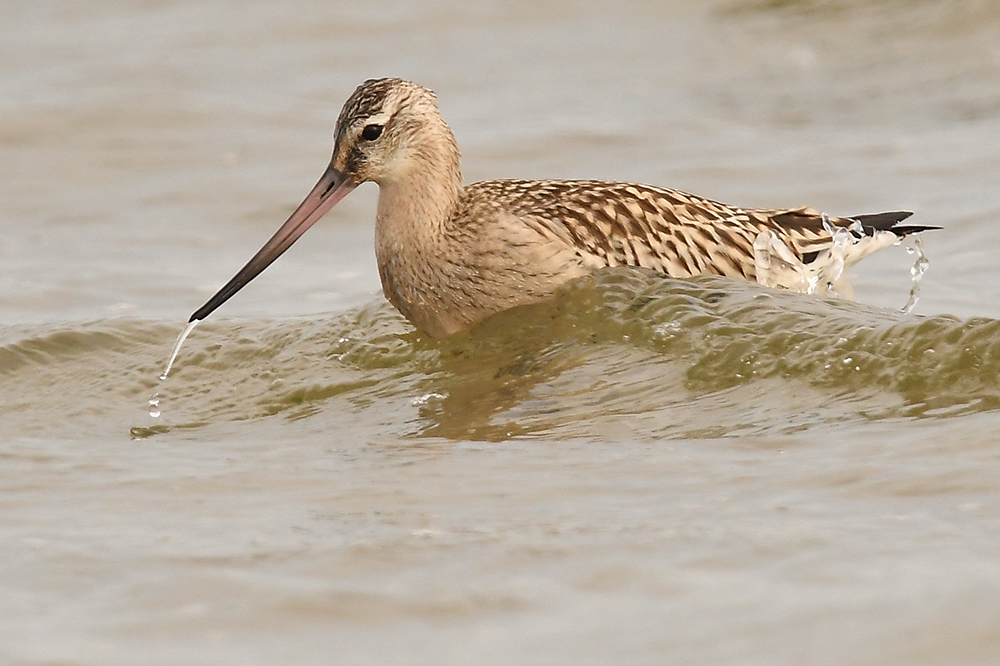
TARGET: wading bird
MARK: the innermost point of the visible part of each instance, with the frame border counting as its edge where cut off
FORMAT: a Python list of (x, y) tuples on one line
[(450, 255)]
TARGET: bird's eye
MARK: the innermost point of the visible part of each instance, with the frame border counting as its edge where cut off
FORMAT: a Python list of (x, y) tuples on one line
[(371, 132)]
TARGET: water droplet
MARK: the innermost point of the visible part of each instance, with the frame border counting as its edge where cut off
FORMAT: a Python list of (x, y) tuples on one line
[(916, 273), (177, 347), (154, 406), (827, 224), (777, 266)]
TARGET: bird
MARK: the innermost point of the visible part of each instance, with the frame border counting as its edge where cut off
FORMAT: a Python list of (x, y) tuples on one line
[(450, 254)]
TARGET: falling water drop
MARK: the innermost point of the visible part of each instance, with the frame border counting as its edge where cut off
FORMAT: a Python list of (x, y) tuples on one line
[(917, 272), (154, 400), (177, 347)]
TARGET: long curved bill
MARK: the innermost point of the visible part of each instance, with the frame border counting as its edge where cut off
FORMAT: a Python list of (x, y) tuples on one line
[(331, 188)]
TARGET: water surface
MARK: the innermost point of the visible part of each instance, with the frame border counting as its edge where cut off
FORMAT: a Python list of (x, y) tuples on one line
[(643, 470)]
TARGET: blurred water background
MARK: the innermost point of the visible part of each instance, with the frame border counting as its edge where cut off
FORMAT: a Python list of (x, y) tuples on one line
[(641, 471)]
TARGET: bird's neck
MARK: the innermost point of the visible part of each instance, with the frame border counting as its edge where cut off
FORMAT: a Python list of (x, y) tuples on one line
[(424, 189), (412, 235)]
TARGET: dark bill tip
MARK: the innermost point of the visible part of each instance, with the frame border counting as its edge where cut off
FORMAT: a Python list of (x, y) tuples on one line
[(331, 188)]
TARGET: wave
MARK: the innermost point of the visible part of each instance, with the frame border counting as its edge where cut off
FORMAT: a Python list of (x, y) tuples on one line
[(623, 354)]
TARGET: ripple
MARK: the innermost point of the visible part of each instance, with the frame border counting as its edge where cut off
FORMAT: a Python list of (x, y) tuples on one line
[(622, 351)]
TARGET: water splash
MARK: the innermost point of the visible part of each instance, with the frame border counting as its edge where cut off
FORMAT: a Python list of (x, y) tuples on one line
[(177, 347), (917, 271), (154, 400), (777, 265), (833, 268), (426, 398)]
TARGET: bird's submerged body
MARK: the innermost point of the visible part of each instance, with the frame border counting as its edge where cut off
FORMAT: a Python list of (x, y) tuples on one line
[(450, 255)]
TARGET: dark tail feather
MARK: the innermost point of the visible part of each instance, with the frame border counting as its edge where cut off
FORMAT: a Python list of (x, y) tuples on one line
[(888, 221)]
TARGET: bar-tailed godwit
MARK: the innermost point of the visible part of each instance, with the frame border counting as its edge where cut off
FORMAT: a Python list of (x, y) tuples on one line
[(451, 254)]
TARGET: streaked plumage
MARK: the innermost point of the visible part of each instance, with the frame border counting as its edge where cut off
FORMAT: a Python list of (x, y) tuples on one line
[(450, 255)]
